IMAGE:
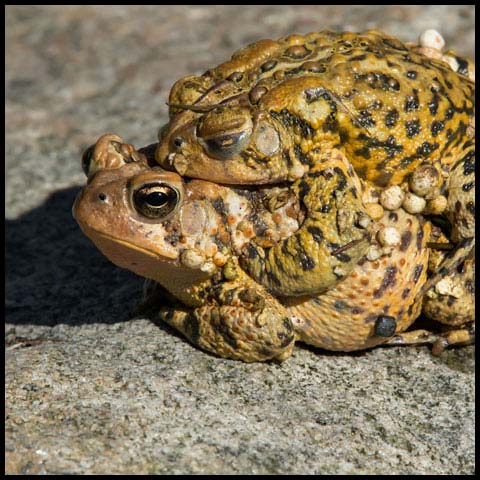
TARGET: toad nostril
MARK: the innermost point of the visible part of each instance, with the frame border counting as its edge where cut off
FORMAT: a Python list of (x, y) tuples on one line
[(102, 197), (178, 142)]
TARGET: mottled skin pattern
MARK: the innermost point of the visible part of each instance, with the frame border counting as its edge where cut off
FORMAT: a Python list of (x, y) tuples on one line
[(277, 109), (191, 250), (344, 318), (223, 310)]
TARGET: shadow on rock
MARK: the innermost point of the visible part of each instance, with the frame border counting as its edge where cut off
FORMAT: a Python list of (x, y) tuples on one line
[(54, 274)]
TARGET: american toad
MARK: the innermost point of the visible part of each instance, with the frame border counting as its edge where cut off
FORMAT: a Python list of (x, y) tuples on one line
[(187, 235), (402, 115)]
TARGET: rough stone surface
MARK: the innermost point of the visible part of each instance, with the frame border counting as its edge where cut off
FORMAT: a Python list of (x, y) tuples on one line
[(92, 388)]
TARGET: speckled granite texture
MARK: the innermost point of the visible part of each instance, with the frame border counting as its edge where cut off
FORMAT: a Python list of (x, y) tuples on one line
[(90, 388)]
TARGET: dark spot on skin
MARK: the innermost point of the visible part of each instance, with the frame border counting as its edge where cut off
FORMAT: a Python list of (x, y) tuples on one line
[(353, 191), (405, 240), (389, 146), (302, 157), (229, 294), (357, 58), (468, 186), (393, 216), (417, 271), (316, 233), (436, 127), (327, 174), (192, 328), (405, 293), (314, 94), (385, 326), (458, 206), (394, 43), (419, 238), (411, 103), (433, 104), (469, 163), (391, 118), (363, 152), (316, 174), (362, 171), (304, 188), (306, 261), (344, 135), (293, 122), (252, 252), (324, 208), (331, 123), (219, 206), (342, 181), (365, 119), (287, 159), (340, 305), (285, 339), (388, 281), (265, 352), (272, 277), (376, 105), (377, 80), (412, 74), (382, 179), (173, 237), (357, 310), (426, 148), (412, 127), (343, 257), (471, 207), (450, 301), (287, 324), (250, 295)]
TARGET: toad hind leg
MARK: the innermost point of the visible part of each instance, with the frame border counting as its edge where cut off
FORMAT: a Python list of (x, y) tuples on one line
[(439, 341), (460, 211), (235, 332)]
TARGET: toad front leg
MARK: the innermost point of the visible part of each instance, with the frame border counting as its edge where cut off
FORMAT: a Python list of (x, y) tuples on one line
[(331, 240), (241, 322)]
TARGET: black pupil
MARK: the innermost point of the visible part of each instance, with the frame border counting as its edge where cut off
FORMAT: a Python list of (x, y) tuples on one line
[(157, 199)]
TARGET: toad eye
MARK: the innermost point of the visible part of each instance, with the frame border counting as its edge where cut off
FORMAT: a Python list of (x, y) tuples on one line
[(226, 146), (156, 200), (87, 159), (224, 133)]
